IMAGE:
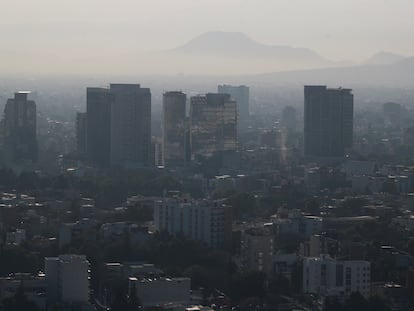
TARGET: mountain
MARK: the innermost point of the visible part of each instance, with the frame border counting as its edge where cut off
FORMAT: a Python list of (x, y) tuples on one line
[(235, 52), (384, 58), (236, 44)]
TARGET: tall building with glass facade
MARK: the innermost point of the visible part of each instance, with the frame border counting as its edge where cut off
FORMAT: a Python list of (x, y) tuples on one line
[(328, 123), (241, 94), (213, 124), (119, 126), (19, 129), (130, 126), (98, 126)]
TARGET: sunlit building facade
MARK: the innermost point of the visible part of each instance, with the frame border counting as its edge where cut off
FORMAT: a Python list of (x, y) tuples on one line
[(213, 124), (241, 94)]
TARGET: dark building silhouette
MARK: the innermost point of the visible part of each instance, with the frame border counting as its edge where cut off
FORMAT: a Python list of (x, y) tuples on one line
[(81, 124), (118, 130), (98, 126), (174, 128), (213, 124), (241, 94), (328, 127), (130, 126), (19, 129)]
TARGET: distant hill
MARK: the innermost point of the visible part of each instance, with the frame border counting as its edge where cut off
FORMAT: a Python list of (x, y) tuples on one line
[(400, 73), (384, 58)]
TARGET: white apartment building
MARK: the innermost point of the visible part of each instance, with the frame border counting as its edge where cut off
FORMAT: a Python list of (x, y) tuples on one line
[(202, 220), (325, 276), (67, 278)]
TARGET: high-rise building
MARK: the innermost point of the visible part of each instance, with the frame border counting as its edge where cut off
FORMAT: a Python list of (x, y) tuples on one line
[(241, 94), (328, 127), (118, 126), (67, 279), (98, 126), (130, 126), (19, 128), (213, 124), (81, 124), (174, 128)]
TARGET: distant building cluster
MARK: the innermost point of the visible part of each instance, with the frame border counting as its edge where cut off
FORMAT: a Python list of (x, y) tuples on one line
[(115, 131)]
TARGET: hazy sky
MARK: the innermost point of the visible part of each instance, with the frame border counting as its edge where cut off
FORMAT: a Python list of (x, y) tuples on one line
[(338, 30)]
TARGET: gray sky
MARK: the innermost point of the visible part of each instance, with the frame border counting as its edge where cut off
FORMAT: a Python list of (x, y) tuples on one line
[(338, 30)]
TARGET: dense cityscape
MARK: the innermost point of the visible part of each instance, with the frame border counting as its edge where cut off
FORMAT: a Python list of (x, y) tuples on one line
[(207, 202), (206, 155)]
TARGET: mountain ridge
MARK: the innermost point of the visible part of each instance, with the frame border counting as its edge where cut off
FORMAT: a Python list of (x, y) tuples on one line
[(237, 45)]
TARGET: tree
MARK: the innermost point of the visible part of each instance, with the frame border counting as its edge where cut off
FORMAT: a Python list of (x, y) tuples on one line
[(356, 302), (248, 284), (243, 204), (120, 302), (332, 304)]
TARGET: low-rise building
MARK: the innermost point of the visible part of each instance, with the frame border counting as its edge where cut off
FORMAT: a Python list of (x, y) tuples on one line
[(257, 247), (325, 277)]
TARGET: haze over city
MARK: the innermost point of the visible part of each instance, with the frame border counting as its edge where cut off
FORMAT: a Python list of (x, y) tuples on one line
[(125, 36)]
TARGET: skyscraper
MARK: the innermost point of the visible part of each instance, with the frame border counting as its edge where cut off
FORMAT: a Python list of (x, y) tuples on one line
[(98, 126), (81, 123), (130, 125), (241, 94), (213, 124), (174, 128), (328, 128), (19, 125)]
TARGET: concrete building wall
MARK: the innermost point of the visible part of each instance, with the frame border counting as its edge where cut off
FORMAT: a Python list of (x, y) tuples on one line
[(325, 276), (67, 278), (206, 221)]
